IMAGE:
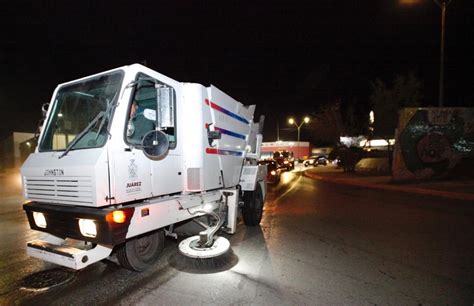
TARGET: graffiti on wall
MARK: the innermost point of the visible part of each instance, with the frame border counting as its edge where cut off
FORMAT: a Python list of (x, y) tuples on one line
[(432, 141)]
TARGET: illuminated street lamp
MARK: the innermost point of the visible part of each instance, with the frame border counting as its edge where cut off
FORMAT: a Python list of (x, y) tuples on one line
[(298, 126), (443, 4)]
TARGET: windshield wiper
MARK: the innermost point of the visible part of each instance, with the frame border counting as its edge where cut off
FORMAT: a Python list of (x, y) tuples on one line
[(110, 107), (81, 134), (103, 116)]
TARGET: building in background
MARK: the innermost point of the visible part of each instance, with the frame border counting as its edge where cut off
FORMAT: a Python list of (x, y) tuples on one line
[(15, 149), (300, 149)]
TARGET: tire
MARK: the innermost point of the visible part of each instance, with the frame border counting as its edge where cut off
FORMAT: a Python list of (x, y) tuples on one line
[(140, 253), (253, 206)]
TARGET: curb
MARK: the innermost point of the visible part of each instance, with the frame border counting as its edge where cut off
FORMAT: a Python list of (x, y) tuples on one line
[(423, 191)]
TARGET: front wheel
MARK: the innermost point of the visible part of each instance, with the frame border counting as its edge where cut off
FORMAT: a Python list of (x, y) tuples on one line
[(253, 206), (140, 253)]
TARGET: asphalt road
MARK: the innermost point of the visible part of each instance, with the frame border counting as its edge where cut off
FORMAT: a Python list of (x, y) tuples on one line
[(318, 244)]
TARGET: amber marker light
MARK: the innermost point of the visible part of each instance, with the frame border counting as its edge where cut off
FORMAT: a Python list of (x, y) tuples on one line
[(118, 216)]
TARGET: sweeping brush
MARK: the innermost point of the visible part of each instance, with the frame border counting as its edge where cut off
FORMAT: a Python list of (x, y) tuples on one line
[(193, 259)]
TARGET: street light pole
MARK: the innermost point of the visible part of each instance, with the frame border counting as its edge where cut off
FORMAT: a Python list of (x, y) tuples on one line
[(443, 4), (278, 131), (298, 126)]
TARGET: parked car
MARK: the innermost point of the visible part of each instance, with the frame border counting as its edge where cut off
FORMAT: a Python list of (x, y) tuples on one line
[(321, 160), (309, 161), (273, 171), (315, 161)]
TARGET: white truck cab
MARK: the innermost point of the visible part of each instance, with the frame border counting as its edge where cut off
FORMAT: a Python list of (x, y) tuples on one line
[(125, 154)]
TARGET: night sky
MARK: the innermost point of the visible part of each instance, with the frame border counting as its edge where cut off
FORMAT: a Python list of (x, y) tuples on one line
[(269, 53)]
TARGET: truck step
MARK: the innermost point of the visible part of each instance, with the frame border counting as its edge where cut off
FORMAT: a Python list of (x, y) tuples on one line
[(67, 256), (56, 249)]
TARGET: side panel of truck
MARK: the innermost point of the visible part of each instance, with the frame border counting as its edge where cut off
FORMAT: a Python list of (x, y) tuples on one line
[(201, 169), (233, 120)]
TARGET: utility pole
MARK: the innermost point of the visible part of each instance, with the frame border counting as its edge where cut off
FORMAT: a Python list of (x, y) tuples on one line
[(278, 130), (443, 4)]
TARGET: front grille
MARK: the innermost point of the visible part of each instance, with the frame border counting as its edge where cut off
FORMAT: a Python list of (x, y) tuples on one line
[(68, 190)]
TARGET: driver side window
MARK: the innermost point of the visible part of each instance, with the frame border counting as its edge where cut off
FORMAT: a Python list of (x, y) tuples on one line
[(143, 116)]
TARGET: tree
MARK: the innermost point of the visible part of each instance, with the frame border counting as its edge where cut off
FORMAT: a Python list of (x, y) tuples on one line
[(355, 115), (326, 124), (386, 101)]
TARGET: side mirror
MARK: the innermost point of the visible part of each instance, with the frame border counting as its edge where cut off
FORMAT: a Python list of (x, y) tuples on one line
[(40, 125), (165, 106), (44, 109), (155, 145)]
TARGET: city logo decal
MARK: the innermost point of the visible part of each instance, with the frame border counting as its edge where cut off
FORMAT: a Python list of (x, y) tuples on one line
[(132, 170)]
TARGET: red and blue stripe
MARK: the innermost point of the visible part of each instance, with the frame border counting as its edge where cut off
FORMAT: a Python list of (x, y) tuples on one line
[(223, 152), (230, 133), (225, 111)]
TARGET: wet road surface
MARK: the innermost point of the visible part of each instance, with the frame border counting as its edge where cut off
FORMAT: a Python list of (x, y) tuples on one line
[(318, 243)]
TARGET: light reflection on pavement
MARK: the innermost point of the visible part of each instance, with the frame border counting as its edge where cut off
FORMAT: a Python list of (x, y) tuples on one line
[(318, 243)]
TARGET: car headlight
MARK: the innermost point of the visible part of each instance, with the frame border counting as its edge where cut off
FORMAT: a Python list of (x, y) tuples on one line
[(40, 220), (88, 228), (285, 162), (273, 172)]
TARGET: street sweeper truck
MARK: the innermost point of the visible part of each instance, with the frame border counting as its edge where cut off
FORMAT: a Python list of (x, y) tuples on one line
[(125, 155)]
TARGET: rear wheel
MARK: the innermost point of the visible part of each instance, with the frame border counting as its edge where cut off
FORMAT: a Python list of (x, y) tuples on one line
[(139, 253), (253, 206)]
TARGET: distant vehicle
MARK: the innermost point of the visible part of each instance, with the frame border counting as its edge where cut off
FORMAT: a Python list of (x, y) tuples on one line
[(273, 171), (321, 160), (284, 159), (309, 161), (315, 161)]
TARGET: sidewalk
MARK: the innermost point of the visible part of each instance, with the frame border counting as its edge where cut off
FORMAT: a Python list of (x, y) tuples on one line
[(460, 190)]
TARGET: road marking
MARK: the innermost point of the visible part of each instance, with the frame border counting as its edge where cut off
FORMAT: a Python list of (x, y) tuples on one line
[(293, 185)]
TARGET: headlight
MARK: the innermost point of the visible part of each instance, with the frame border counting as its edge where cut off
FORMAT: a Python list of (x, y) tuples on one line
[(285, 162), (273, 172), (40, 220), (88, 228)]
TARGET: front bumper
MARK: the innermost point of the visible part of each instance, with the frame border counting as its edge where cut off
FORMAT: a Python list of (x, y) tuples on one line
[(63, 221), (67, 256)]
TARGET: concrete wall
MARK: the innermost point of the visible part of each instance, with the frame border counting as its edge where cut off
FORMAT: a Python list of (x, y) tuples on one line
[(434, 143), (373, 165), (322, 151)]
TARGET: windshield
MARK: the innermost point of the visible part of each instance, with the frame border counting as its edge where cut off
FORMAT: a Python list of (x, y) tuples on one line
[(82, 110)]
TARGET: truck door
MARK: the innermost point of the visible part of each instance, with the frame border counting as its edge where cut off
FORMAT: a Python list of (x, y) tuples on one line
[(144, 176), (153, 107)]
